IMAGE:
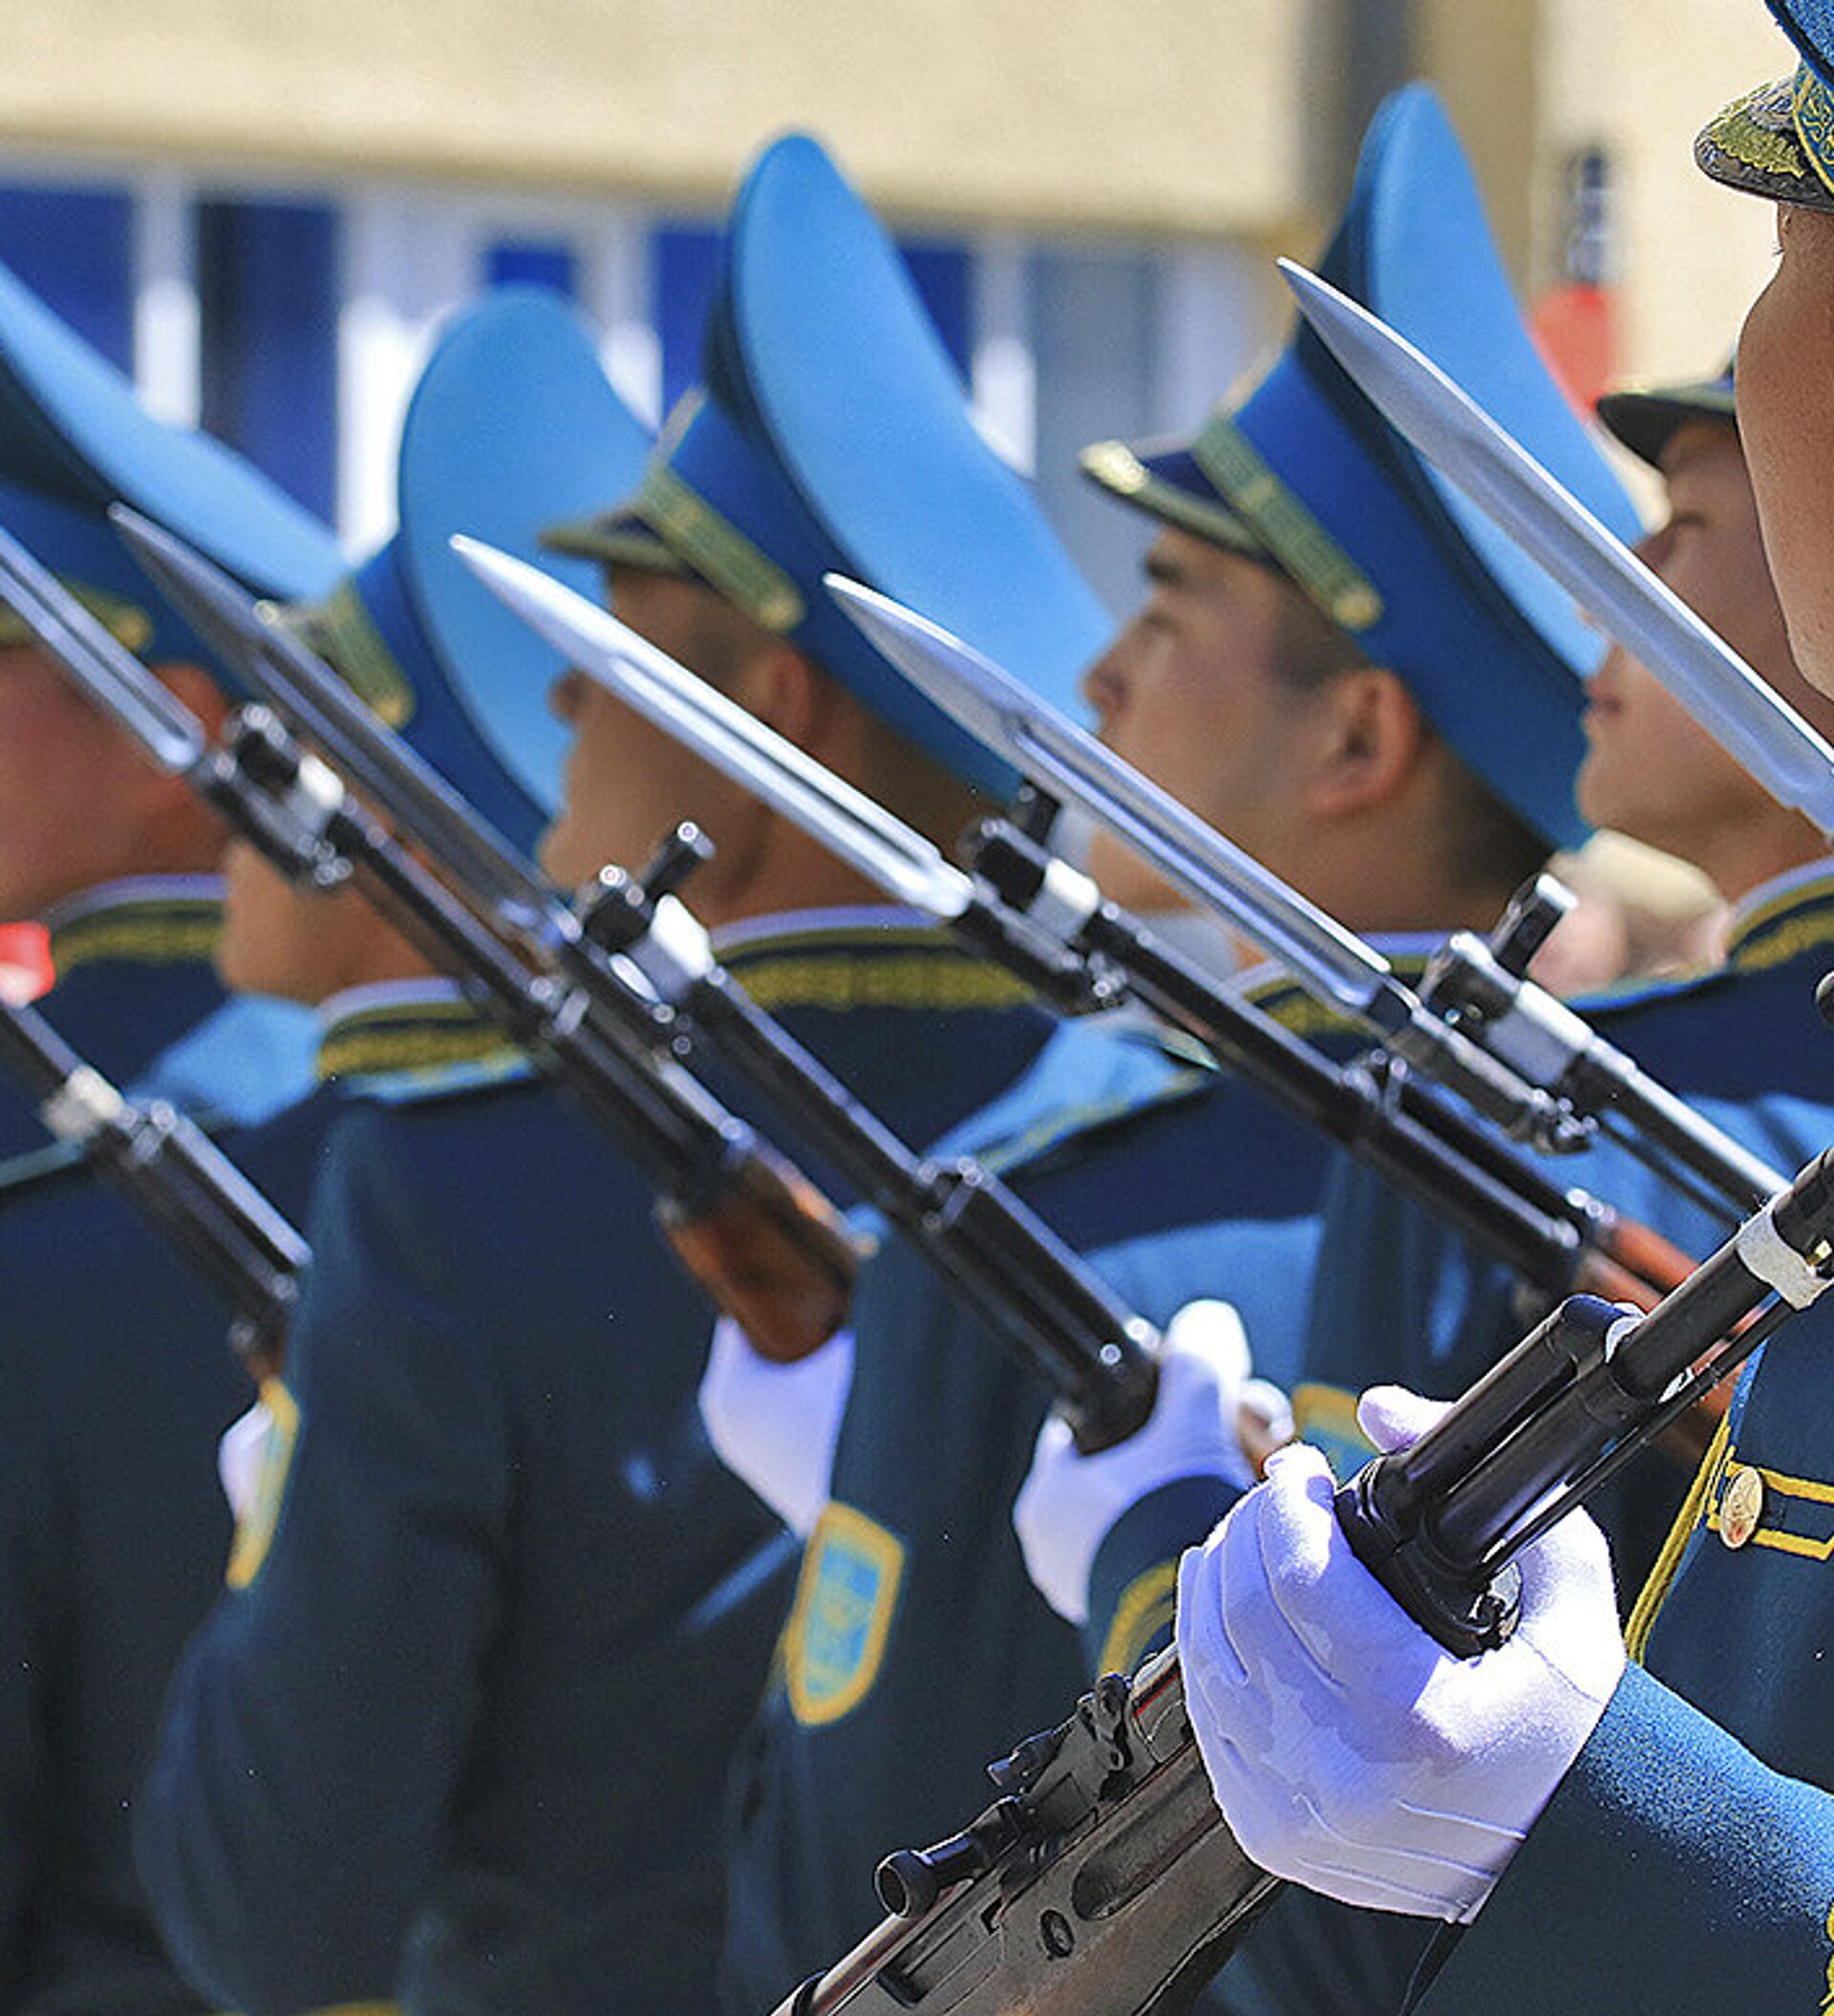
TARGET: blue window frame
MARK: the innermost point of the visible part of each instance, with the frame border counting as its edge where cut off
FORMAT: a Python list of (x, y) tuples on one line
[(74, 248), (268, 292), (533, 263)]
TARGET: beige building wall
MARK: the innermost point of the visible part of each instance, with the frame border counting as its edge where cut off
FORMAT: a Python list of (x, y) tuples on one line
[(1174, 114), (1642, 78), (1534, 82), (1206, 119)]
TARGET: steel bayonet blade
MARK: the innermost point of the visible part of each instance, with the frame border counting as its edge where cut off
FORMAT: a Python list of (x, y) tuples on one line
[(107, 672), (843, 819), (306, 692), (1455, 433), (1041, 744)]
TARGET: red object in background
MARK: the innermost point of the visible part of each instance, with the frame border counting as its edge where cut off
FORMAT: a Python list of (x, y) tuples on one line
[(25, 961), (1575, 327)]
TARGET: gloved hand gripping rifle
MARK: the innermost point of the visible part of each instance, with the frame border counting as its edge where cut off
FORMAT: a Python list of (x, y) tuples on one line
[(1102, 1881)]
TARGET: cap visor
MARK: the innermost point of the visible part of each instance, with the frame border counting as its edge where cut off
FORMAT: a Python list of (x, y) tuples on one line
[(617, 539), (1751, 146), (1647, 421)]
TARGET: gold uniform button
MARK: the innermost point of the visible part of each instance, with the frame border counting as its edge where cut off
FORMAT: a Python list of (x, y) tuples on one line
[(1741, 1507)]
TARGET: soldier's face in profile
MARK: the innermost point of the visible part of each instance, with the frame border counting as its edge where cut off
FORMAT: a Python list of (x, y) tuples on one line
[(1651, 771), (627, 781), (73, 789), (1786, 416), (1188, 692)]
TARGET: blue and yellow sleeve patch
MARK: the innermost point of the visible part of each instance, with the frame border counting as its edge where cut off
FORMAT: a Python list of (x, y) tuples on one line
[(255, 1529), (1326, 1416), (1147, 1606), (846, 1597)]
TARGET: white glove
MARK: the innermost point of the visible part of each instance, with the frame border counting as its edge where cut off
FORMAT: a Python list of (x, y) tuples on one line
[(240, 1455), (775, 1425), (1070, 1502), (1348, 1749)]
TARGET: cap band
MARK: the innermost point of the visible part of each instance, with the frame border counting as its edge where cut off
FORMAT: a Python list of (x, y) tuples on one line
[(1317, 563), (1811, 109)]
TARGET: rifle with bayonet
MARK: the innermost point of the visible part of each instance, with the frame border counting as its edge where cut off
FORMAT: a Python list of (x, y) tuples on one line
[(1553, 1237), (1102, 1878), (172, 1172), (747, 1226), (1521, 1060), (640, 969), (1634, 606)]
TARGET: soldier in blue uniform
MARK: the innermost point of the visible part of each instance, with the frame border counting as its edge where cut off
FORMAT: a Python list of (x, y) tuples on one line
[(114, 1380), (1312, 590), (119, 861), (499, 1614), (1661, 1834), (1405, 1298), (119, 1384)]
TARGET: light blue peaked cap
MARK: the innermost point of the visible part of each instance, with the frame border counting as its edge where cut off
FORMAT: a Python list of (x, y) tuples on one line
[(74, 438), (1810, 25), (1306, 475), (831, 432), (512, 423), (1778, 140)]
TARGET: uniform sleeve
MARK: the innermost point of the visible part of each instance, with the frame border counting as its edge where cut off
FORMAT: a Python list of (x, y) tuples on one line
[(1134, 1579), (319, 1720), (1671, 1871), (29, 1585)]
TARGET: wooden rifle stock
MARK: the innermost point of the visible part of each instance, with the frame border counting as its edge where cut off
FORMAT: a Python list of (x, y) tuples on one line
[(772, 1252)]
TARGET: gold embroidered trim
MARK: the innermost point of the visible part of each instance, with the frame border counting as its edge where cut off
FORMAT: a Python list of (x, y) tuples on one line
[(1811, 111), (158, 933), (1117, 470), (1793, 923), (1284, 525), (911, 982), (1742, 136), (425, 1038)]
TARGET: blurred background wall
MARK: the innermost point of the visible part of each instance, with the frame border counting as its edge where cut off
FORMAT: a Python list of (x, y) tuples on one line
[(261, 208)]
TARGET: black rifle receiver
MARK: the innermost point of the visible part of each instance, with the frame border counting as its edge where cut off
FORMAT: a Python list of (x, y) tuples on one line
[(1103, 1878), (631, 972)]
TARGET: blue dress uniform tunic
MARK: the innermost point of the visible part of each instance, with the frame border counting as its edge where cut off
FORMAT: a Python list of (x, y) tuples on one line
[(117, 1385), (1684, 1861), (1402, 1298), (137, 997), (1688, 1861), (917, 1649), (481, 1682)]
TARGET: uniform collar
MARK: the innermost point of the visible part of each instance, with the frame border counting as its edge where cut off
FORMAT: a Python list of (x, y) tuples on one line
[(155, 920), (1267, 985), (403, 1025), (871, 956), (1781, 918)]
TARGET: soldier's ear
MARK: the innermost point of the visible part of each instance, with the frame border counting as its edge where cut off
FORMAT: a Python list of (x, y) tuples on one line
[(787, 691), (1372, 740), (194, 687)]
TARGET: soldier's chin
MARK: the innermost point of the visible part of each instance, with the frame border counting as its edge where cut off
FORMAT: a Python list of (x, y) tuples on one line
[(1811, 644), (1127, 880)]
